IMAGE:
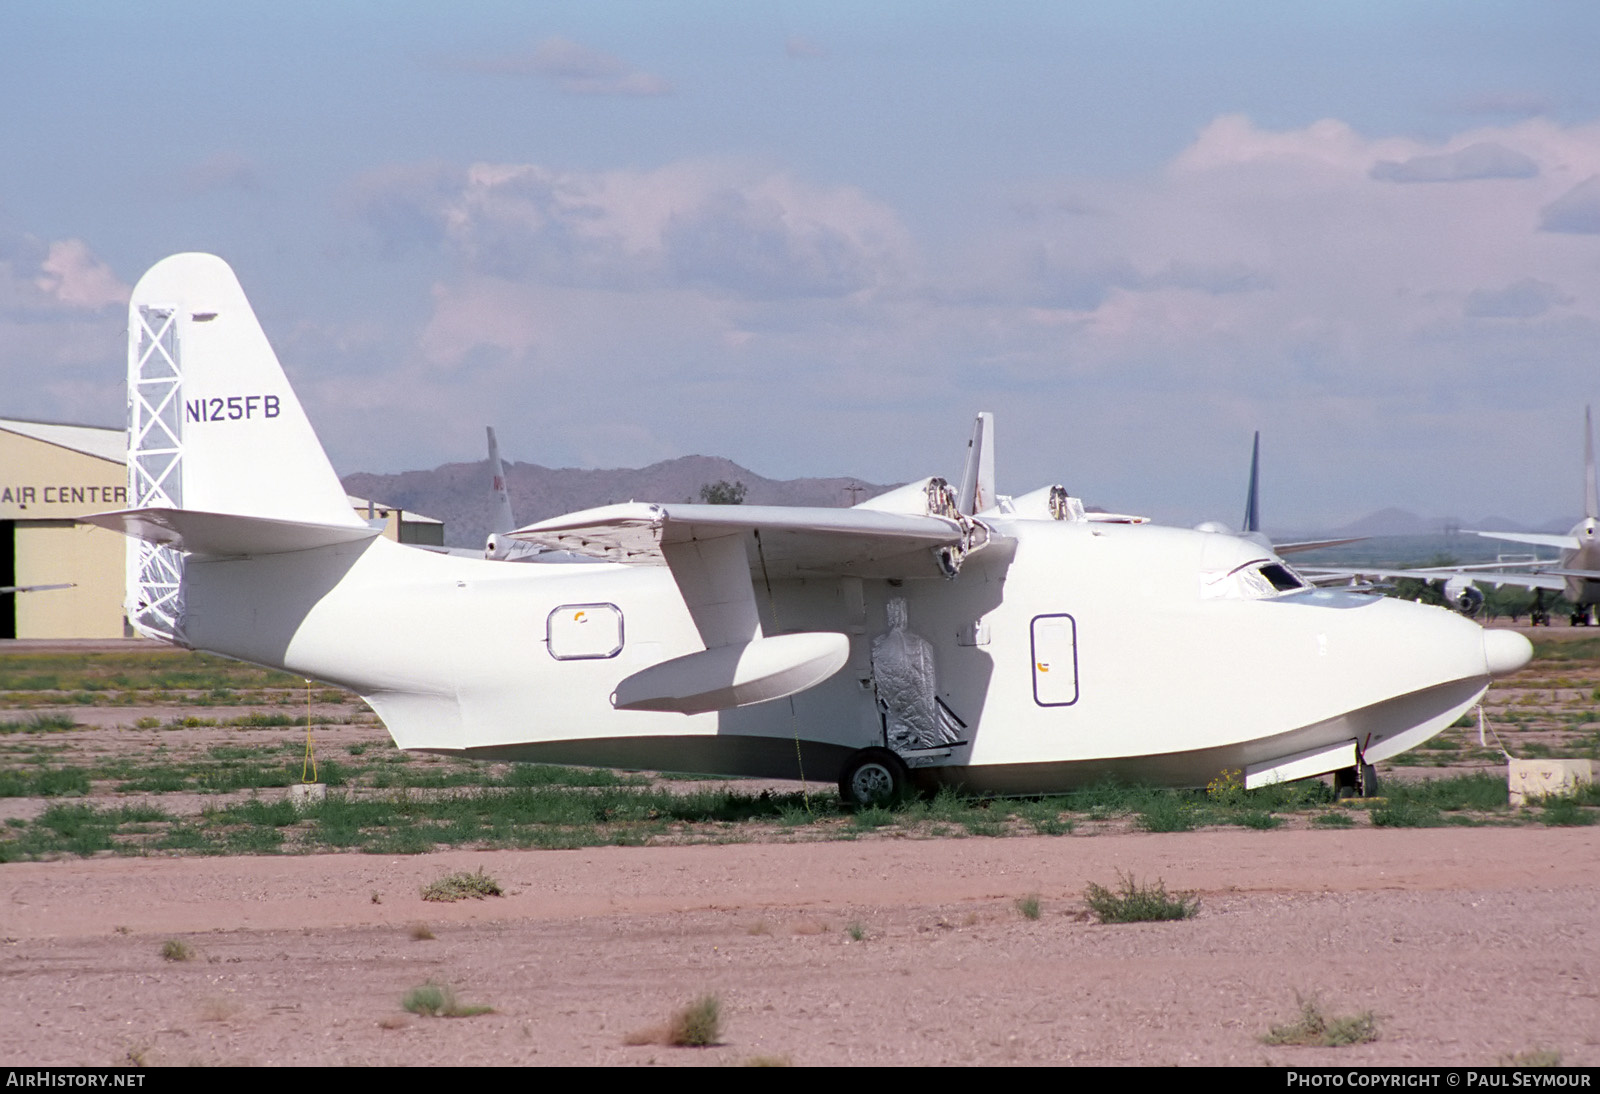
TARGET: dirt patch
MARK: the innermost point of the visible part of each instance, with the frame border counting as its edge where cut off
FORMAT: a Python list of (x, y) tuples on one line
[(1469, 945)]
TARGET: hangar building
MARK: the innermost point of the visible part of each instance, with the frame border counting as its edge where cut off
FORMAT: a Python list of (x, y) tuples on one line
[(50, 475)]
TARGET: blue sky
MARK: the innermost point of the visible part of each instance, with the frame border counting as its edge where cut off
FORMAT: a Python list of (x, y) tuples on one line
[(816, 238)]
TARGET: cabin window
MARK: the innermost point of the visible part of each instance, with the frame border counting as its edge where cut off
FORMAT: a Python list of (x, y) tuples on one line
[(1055, 660), (578, 632)]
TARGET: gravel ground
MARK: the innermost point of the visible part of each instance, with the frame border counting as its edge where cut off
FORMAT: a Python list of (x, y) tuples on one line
[(1468, 945)]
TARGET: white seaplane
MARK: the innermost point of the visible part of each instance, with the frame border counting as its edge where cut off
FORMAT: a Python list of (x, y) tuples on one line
[(930, 636)]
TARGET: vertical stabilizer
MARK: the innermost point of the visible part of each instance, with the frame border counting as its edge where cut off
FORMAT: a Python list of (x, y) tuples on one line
[(503, 521), (1591, 496), (977, 479), (1252, 501), (213, 427), (213, 424)]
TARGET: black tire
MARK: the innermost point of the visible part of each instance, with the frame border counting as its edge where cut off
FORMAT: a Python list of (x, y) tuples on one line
[(1346, 783), (874, 776), (1369, 782)]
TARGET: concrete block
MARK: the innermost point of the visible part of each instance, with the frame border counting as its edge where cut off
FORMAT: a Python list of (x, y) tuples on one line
[(1545, 778), (304, 794)]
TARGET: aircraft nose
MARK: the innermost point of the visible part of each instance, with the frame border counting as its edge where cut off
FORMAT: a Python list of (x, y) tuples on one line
[(1505, 652)]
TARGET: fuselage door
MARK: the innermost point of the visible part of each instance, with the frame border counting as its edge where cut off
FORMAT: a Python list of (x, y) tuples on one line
[(1055, 660)]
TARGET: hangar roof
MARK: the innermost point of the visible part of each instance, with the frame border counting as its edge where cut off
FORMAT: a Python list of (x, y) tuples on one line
[(91, 440)]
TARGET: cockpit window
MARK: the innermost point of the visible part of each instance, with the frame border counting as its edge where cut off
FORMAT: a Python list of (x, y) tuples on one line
[(1256, 580), (1283, 579)]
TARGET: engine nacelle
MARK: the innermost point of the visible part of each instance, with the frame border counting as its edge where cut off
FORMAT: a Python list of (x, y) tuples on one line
[(1463, 595)]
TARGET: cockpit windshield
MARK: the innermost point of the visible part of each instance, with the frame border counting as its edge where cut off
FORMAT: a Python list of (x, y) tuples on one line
[(1256, 580)]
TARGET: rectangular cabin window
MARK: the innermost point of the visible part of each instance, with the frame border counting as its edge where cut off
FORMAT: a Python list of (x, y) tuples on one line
[(1055, 660), (576, 632)]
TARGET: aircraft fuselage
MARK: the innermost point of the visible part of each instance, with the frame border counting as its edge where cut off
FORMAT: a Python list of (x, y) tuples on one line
[(1066, 652)]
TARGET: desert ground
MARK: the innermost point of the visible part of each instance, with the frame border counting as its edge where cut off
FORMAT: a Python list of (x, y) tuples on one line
[(1468, 944)]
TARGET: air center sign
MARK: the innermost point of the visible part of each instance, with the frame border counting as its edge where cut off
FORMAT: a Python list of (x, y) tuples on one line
[(22, 502)]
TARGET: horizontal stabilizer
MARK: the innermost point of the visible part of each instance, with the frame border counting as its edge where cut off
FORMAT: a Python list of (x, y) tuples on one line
[(735, 676), (226, 535)]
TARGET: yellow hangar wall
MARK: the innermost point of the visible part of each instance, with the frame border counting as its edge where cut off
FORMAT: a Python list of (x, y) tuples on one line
[(44, 487), (50, 475)]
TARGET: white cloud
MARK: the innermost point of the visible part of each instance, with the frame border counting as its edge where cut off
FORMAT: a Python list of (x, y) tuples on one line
[(75, 278), (1484, 160), (223, 171), (1525, 299), (1264, 279), (715, 228), (798, 46), (573, 68)]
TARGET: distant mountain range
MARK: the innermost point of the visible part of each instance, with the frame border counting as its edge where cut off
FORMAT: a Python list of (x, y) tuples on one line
[(458, 493)]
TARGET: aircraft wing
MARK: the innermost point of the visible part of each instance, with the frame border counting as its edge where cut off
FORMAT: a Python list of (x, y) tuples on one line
[(1552, 579), (1538, 539), (1312, 545), (786, 540)]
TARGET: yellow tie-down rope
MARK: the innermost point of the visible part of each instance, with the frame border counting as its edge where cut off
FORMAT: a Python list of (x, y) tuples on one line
[(308, 767)]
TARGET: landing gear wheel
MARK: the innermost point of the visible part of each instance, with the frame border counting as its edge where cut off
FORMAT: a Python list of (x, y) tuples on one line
[(874, 776), (1369, 781), (1346, 783), (1355, 782)]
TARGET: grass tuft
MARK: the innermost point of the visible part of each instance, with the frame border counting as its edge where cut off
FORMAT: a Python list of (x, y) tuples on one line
[(174, 950), (1028, 906), (1135, 903), (1315, 1028), (462, 886), (697, 1025), (433, 1000)]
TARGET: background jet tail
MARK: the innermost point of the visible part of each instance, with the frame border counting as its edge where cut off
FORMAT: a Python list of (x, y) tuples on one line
[(977, 478), (1591, 496), (219, 449), (503, 521), (1252, 500)]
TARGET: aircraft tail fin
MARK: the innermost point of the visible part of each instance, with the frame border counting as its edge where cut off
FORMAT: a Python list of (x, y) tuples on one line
[(213, 428), (977, 479), (503, 521), (1252, 500), (1591, 494)]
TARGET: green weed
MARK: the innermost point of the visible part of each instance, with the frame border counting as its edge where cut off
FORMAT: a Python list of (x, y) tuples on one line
[(433, 1000), (1028, 906), (462, 886), (1564, 811), (1314, 1028), (697, 1025), (1135, 903), (174, 950), (1332, 820)]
